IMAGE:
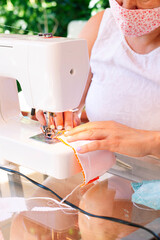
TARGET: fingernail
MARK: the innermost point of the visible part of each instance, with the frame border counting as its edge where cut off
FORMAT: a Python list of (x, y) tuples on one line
[(69, 139), (68, 128), (79, 149), (67, 133), (59, 127)]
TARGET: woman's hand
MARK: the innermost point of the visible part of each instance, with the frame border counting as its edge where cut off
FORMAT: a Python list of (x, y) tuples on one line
[(66, 120), (114, 137)]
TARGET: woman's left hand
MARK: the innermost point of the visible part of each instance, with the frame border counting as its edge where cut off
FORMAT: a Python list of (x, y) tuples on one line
[(113, 136)]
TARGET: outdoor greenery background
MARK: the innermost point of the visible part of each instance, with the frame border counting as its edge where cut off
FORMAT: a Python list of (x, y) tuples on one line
[(34, 16)]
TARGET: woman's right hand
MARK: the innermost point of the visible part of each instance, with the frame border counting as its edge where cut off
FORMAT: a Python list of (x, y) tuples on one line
[(64, 120)]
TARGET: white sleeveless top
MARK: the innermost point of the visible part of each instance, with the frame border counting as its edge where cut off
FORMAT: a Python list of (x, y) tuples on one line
[(126, 85)]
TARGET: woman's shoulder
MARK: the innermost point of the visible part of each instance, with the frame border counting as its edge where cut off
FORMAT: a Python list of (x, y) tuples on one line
[(91, 28)]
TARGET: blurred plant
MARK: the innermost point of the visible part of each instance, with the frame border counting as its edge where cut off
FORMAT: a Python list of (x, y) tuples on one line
[(34, 16)]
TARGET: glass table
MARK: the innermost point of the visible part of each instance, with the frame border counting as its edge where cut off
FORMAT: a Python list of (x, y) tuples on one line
[(45, 219)]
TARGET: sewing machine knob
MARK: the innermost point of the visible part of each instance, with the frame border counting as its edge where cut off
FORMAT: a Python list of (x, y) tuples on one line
[(72, 71), (47, 35)]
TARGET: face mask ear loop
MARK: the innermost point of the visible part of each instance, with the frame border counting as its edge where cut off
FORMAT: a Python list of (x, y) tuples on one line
[(144, 209)]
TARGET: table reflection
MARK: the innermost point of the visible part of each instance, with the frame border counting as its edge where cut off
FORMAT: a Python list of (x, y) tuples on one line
[(58, 225), (110, 197)]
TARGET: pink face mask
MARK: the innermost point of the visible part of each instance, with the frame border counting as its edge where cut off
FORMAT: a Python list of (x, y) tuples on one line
[(135, 22)]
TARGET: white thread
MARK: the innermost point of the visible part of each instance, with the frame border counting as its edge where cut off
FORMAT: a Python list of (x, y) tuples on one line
[(3, 25), (70, 193), (48, 198), (50, 204), (48, 209), (51, 199), (146, 209), (6, 212)]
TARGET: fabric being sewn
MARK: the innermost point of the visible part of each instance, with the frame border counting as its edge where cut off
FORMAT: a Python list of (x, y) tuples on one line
[(93, 164), (126, 85)]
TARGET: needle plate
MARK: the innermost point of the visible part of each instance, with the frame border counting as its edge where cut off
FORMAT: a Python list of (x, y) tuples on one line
[(42, 138)]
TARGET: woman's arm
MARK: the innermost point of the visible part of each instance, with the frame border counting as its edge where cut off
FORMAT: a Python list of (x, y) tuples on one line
[(89, 33), (116, 137), (90, 30)]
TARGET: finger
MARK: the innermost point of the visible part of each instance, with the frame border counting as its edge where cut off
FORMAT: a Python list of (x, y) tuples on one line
[(93, 146), (51, 121), (76, 120), (88, 126), (92, 134), (41, 118), (80, 128), (84, 117), (68, 120), (34, 118), (59, 121)]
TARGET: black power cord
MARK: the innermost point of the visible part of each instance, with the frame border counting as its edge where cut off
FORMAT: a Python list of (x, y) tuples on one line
[(117, 220)]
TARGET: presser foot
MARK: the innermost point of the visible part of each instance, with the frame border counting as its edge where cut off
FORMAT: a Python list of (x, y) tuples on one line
[(51, 133), (42, 138), (48, 135)]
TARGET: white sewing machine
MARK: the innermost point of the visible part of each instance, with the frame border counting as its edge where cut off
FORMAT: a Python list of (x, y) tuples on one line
[(52, 73)]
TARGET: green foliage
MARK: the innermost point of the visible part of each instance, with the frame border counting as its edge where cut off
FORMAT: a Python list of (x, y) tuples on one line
[(19, 87), (34, 16)]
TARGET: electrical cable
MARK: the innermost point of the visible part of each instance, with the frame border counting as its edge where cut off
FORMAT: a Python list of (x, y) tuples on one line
[(117, 220)]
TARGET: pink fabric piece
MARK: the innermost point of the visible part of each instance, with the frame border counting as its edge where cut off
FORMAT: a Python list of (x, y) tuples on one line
[(95, 163), (135, 22)]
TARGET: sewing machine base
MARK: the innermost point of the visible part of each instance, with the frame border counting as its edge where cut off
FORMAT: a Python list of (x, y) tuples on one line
[(17, 146)]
